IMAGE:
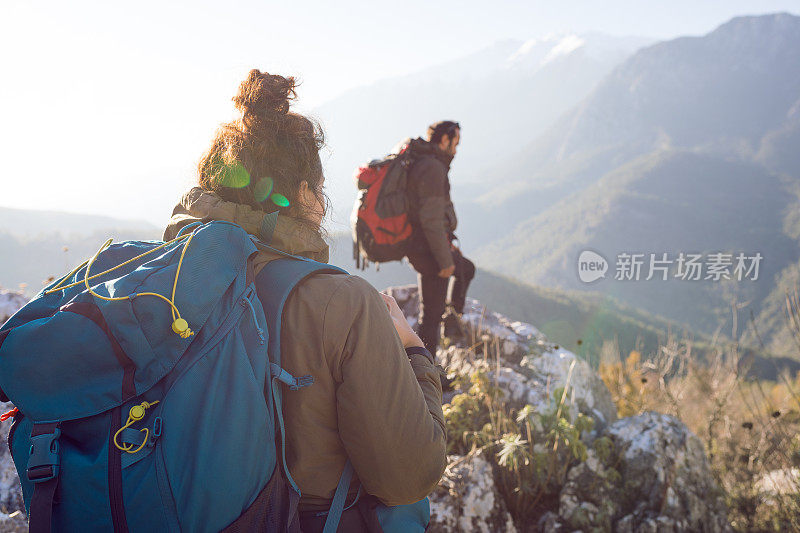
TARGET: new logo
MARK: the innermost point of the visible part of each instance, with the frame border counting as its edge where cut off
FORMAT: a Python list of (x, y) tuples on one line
[(591, 266)]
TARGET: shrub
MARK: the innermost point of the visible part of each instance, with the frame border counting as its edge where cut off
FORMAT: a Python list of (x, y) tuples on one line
[(533, 450)]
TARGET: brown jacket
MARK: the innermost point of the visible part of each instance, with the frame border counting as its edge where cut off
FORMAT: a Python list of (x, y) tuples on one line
[(432, 210), (369, 401)]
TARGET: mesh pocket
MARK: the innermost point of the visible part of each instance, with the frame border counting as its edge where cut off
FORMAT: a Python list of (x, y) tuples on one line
[(275, 509)]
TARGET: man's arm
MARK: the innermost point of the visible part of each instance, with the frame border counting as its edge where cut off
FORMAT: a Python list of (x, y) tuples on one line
[(431, 185)]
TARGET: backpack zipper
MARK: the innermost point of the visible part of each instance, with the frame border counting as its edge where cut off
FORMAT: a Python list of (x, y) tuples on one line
[(167, 499)]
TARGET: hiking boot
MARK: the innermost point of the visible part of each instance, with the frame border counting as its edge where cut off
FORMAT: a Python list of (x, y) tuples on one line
[(447, 383), (453, 328)]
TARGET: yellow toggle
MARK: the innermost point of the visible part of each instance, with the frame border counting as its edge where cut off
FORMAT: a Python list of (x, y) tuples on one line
[(136, 413), (181, 327)]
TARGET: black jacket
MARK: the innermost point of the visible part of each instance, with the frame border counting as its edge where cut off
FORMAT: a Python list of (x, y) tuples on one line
[(432, 212)]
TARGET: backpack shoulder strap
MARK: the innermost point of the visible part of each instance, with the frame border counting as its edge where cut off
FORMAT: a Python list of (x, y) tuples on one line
[(339, 497), (274, 284), (276, 281)]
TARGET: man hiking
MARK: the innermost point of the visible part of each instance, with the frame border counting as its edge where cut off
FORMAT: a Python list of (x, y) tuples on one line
[(432, 252)]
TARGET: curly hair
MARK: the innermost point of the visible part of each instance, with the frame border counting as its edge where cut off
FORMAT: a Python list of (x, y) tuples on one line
[(262, 158)]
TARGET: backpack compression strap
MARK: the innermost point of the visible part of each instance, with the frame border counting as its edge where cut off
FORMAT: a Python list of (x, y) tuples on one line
[(43, 470)]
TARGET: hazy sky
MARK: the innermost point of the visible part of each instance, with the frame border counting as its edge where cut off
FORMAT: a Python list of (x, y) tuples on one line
[(105, 107)]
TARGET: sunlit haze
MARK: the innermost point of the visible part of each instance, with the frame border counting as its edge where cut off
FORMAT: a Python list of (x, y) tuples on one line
[(106, 106)]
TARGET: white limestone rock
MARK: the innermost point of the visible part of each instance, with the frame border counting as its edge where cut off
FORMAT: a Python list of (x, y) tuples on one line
[(520, 360), (12, 507), (514, 338), (467, 500), (535, 380), (10, 490), (587, 391), (656, 478), (10, 302), (780, 482)]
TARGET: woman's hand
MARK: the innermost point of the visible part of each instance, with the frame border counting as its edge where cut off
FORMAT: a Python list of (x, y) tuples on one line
[(407, 335)]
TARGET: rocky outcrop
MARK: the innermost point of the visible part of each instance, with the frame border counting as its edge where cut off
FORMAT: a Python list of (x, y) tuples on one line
[(467, 499), (9, 303), (12, 507), (10, 493), (534, 380), (514, 339), (646, 473), (519, 359)]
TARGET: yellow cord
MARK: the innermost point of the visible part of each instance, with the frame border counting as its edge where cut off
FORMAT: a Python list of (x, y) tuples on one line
[(179, 325), (58, 287), (178, 273), (136, 413), (105, 245)]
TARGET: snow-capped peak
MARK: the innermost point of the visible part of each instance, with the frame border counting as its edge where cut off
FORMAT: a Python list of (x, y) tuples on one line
[(564, 47), (537, 52)]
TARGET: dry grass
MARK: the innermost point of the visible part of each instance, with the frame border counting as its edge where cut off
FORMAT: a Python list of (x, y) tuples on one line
[(749, 427)]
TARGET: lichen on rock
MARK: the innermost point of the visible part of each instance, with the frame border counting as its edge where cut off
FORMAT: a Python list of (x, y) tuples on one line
[(655, 476)]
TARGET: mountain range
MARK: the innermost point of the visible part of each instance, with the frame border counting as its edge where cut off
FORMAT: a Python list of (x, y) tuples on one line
[(689, 145), (502, 96), (576, 143), (39, 245)]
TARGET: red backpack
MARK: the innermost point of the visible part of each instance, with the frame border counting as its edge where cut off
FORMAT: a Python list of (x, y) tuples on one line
[(381, 226)]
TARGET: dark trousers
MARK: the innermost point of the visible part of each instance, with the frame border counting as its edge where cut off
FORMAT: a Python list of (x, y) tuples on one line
[(357, 518), (433, 293), (352, 521)]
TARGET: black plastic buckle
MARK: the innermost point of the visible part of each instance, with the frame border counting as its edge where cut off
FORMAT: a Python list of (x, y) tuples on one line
[(44, 461)]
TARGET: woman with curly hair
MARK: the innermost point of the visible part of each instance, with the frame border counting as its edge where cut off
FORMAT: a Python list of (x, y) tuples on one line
[(376, 399)]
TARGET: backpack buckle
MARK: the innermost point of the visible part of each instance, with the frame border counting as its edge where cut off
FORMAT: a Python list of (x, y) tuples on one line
[(45, 460), (158, 424), (294, 383)]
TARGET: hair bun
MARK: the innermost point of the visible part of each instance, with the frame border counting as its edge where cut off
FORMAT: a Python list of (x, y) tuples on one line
[(265, 95)]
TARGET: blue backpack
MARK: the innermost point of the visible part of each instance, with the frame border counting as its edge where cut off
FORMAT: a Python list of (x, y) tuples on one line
[(149, 397)]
